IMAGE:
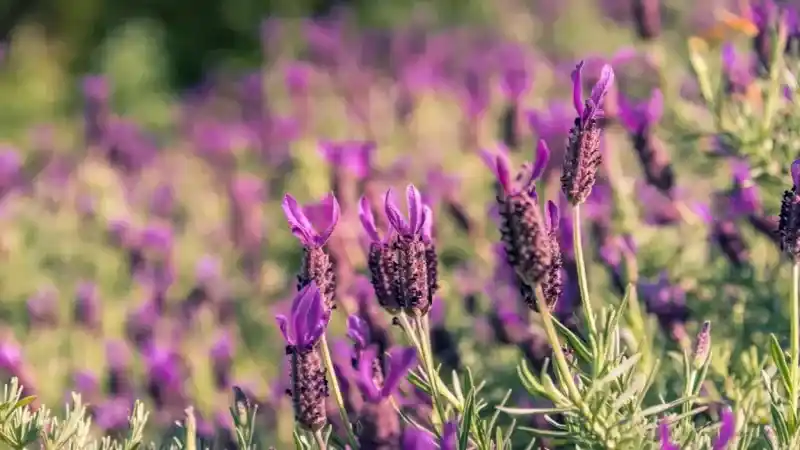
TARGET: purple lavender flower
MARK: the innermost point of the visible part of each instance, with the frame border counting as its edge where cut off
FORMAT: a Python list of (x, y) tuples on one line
[(727, 430), (358, 332), (316, 266), (118, 382), (302, 331), (411, 284), (96, 93), (42, 308), (10, 168), (738, 71), (87, 306), (640, 120), (583, 156), (416, 439), (647, 18), (380, 425), (221, 356), (354, 157), (10, 354), (165, 375), (789, 224), (744, 198), (666, 300), (664, 436), (112, 415)]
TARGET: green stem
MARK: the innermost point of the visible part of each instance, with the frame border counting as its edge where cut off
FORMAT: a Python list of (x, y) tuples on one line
[(337, 393), (430, 368), (795, 311), (320, 440), (558, 352), (582, 279)]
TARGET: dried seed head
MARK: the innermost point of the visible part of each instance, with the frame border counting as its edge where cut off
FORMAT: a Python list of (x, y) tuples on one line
[(317, 266), (524, 237), (581, 161), (702, 346), (309, 388), (789, 222)]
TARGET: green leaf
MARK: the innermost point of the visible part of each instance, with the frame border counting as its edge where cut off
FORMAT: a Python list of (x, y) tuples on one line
[(466, 421), (623, 368), (658, 409), (575, 343), (779, 358), (25, 401), (530, 411)]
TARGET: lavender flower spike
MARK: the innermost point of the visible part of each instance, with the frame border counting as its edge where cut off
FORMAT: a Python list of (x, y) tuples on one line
[(302, 331), (664, 438), (583, 157), (789, 223), (316, 266)]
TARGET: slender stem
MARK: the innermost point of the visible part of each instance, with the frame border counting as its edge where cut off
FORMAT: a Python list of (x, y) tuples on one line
[(333, 382), (558, 352), (795, 312), (582, 279), (320, 440)]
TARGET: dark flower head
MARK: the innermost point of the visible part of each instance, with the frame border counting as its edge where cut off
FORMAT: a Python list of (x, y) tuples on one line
[(354, 157), (307, 320), (641, 120), (553, 281), (521, 226), (789, 223), (358, 331), (583, 157), (302, 228), (87, 305), (400, 363)]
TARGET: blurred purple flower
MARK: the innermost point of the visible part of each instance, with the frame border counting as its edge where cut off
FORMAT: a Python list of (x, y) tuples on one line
[(727, 430), (664, 436), (221, 356), (162, 200), (96, 93), (666, 300), (354, 157), (400, 363), (10, 355), (42, 308), (10, 168), (418, 439), (516, 78), (87, 305), (118, 356), (165, 375), (358, 332), (744, 198), (738, 70), (128, 147), (112, 415)]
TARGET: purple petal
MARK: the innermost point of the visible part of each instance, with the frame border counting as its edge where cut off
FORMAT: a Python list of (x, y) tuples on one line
[(401, 363), (655, 106), (357, 331), (600, 89), (414, 208), (427, 224), (298, 222), (335, 212), (796, 173), (503, 172), (416, 439), (368, 219), (393, 214), (364, 379), (542, 158), (552, 215), (664, 438), (726, 430), (301, 307), (577, 88), (316, 319), (283, 325), (449, 436)]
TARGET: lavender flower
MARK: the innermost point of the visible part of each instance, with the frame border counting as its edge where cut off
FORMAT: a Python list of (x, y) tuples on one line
[(789, 224), (302, 331), (417, 439), (583, 157), (522, 229), (42, 308), (553, 280), (727, 430), (702, 346), (221, 356), (96, 92), (664, 437), (647, 18), (403, 266), (380, 425), (354, 157), (316, 266), (640, 120), (87, 306)]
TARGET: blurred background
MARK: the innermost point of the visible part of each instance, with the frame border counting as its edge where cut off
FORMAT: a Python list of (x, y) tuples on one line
[(146, 146)]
